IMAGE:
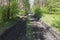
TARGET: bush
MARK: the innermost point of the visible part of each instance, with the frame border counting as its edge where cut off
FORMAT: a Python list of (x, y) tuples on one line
[(13, 9), (54, 10), (22, 12), (56, 24), (3, 12), (38, 13), (44, 10)]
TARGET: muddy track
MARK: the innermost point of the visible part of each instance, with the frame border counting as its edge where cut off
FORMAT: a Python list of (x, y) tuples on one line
[(40, 31), (51, 30), (46, 32), (16, 31)]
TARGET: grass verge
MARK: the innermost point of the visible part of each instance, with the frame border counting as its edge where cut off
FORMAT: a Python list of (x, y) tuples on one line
[(52, 20)]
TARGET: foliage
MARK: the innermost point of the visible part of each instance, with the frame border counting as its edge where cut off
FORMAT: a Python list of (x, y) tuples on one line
[(33, 9), (56, 24), (38, 13), (55, 10), (26, 6), (3, 13), (53, 5), (13, 9), (22, 12), (52, 20), (52, 17), (44, 10), (29, 31)]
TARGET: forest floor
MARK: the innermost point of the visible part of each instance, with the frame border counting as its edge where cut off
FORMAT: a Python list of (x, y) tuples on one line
[(40, 31)]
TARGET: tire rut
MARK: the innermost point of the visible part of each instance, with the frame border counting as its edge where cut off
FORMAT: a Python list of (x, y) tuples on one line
[(15, 32)]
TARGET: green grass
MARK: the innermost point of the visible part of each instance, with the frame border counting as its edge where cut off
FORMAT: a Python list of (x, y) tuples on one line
[(52, 20)]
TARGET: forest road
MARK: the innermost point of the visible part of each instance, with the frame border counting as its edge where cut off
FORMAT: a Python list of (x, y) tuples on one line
[(42, 31), (39, 30)]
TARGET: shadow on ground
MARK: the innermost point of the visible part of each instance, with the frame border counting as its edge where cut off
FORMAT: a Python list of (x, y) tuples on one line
[(15, 32), (38, 33), (18, 32)]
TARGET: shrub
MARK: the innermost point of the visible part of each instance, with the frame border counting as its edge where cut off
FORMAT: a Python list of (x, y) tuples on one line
[(55, 10), (56, 24), (3, 12), (44, 10), (38, 13), (13, 9), (22, 12)]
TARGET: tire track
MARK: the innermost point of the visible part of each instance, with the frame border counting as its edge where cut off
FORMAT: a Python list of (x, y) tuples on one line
[(15, 32), (44, 31), (40, 31), (52, 32)]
